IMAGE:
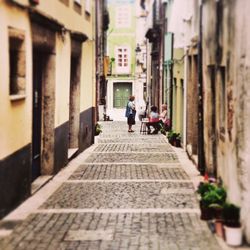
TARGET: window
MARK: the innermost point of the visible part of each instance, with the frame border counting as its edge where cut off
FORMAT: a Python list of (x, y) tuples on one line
[(123, 16), (222, 98), (78, 6), (88, 6), (17, 63), (145, 91), (122, 60), (66, 2)]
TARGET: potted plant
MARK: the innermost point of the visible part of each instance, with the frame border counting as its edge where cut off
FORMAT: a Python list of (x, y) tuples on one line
[(233, 230), (207, 200), (220, 196), (174, 138), (212, 200), (203, 189), (98, 129)]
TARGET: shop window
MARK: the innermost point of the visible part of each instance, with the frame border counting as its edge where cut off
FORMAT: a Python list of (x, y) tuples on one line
[(17, 63)]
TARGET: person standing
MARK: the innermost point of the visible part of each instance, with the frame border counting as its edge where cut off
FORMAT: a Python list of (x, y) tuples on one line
[(130, 113)]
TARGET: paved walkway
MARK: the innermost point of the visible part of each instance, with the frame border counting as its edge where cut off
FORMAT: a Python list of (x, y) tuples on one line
[(128, 191)]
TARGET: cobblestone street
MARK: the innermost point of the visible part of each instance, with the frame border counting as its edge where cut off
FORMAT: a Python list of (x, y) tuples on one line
[(128, 191)]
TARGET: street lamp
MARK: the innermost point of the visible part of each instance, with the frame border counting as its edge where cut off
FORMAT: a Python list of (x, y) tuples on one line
[(137, 49), (141, 69)]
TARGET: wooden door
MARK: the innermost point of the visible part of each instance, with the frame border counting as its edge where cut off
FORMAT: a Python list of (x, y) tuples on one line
[(122, 91), (38, 64)]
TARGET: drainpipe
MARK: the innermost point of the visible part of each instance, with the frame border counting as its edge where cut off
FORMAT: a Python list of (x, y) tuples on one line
[(97, 74), (201, 156), (185, 103), (171, 65)]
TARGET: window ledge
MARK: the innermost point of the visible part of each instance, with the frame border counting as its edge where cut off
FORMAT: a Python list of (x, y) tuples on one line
[(78, 7), (17, 97), (77, 3)]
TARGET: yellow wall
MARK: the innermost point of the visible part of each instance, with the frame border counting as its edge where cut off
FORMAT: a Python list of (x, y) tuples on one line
[(15, 116), (178, 73), (65, 14)]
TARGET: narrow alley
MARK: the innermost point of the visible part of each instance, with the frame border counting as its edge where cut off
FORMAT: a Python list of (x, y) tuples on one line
[(127, 191), (75, 75)]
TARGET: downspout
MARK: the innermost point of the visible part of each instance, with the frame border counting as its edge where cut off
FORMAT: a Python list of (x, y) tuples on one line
[(96, 116), (161, 54), (201, 154), (185, 102), (171, 82), (149, 73), (164, 28)]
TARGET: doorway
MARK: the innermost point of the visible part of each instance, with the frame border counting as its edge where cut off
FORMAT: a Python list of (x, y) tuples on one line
[(38, 65), (43, 113), (122, 91)]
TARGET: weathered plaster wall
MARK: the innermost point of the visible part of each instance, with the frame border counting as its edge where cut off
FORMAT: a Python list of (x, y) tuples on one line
[(208, 46), (242, 109), (226, 45), (192, 103)]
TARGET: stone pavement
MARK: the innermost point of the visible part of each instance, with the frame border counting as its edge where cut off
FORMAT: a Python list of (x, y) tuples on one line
[(128, 191)]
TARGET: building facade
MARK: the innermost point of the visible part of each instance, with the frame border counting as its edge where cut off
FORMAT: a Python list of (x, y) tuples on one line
[(102, 60), (206, 63), (225, 48), (121, 45), (47, 90), (154, 35), (174, 64)]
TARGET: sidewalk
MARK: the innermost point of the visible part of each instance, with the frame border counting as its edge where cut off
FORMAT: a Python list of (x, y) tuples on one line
[(128, 191)]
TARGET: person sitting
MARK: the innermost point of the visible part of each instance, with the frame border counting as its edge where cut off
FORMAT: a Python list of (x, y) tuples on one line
[(153, 121), (164, 120)]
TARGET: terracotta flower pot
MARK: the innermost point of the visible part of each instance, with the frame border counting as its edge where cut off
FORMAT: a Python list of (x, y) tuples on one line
[(219, 229)]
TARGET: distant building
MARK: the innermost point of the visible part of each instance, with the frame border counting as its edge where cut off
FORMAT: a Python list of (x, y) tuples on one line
[(102, 60), (47, 67), (154, 34), (121, 44)]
